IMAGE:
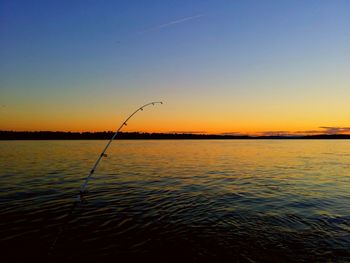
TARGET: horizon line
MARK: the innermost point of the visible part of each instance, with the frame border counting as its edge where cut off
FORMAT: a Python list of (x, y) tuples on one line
[(199, 133)]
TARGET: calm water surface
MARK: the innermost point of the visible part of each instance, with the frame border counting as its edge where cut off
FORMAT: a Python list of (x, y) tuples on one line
[(200, 200)]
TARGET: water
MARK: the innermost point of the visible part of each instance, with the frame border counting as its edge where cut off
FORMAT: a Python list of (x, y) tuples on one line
[(191, 200)]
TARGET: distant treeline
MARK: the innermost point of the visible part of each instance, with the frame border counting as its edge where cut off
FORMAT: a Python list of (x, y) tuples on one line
[(51, 135), (57, 135)]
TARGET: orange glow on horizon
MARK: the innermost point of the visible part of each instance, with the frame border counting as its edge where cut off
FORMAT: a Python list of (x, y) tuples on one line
[(171, 118)]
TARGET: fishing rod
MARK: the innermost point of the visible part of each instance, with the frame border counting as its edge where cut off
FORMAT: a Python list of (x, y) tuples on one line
[(86, 181), (84, 185)]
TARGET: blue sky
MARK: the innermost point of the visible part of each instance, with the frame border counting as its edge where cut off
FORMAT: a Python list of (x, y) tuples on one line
[(250, 61)]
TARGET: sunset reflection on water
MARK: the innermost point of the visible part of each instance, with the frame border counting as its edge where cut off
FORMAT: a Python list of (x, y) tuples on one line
[(260, 200)]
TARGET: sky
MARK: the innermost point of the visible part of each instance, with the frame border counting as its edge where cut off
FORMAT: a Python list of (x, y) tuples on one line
[(219, 66)]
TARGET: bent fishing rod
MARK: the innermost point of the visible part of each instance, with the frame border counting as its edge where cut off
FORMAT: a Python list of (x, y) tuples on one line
[(86, 181), (84, 185)]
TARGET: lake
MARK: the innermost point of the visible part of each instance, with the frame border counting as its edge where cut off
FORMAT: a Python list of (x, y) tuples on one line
[(177, 200)]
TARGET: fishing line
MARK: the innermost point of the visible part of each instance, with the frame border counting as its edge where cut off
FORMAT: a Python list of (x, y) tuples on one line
[(83, 187)]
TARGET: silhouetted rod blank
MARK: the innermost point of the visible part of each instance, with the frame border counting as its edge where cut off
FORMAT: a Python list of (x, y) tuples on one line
[(84, 185)]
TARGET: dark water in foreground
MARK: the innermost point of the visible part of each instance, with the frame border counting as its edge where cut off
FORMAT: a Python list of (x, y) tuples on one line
[(222, 201)]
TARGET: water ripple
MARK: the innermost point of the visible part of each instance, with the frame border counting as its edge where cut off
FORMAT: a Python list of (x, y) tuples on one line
[(227, 201)]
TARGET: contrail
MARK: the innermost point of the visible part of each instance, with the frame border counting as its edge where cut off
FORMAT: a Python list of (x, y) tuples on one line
[(171, 23), (161, 26)]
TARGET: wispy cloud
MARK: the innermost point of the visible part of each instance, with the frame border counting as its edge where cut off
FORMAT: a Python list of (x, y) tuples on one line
[(322, 130), (335, 130), (310, 132), (172, 23)]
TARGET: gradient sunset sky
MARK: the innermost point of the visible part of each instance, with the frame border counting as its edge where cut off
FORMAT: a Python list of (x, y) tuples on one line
[(219, 66)]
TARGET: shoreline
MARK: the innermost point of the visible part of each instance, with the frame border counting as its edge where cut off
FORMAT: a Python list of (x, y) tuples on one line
[(48, 135)]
